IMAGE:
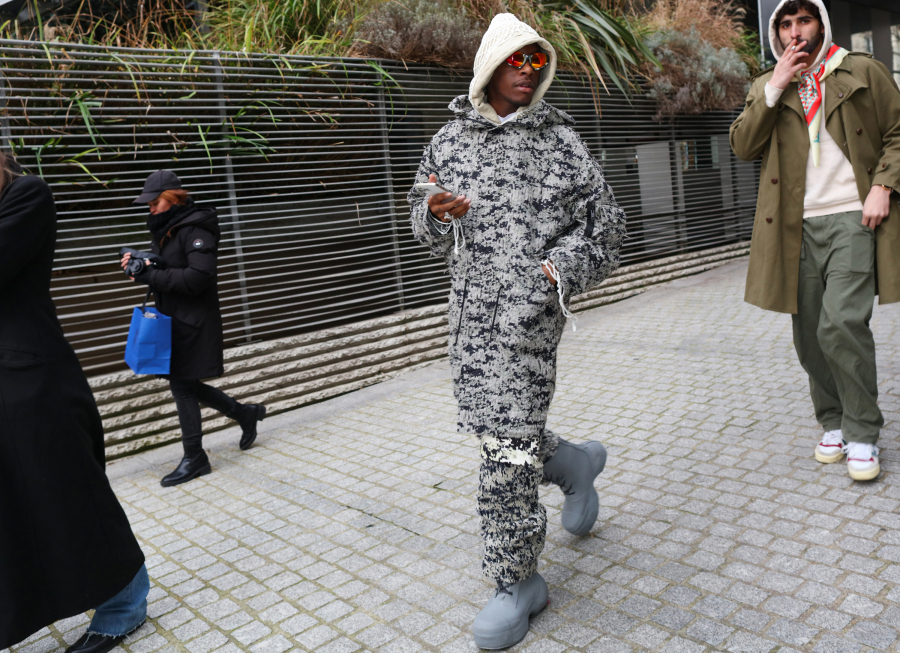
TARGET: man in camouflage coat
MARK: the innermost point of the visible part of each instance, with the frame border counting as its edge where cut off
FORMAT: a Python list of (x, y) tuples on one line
[(530, 223)]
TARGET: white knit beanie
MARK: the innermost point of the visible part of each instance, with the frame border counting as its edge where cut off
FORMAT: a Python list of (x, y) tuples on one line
[(505, 35)]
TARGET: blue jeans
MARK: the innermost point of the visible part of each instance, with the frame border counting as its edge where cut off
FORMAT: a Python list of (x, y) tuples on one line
[(125, 611)]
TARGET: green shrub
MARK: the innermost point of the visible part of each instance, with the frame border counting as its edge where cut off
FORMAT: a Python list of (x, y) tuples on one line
[(427, 31), (695, 76)]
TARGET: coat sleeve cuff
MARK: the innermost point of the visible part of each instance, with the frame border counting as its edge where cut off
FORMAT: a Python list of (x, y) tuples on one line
[(888, 175), (145, 277), (567, 265), (439, 227), (773, 94)]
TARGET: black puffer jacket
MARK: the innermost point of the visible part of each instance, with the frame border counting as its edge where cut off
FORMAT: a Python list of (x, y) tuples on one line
[(186, 291)]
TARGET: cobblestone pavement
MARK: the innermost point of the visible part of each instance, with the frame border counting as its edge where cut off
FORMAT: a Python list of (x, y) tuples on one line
[(351, 525)]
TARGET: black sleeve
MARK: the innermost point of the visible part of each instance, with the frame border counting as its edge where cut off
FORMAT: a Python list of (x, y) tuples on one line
[(201, 251), (27, 219)]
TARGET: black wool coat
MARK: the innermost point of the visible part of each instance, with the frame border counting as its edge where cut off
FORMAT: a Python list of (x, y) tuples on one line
[(186, 291), (65, 543)]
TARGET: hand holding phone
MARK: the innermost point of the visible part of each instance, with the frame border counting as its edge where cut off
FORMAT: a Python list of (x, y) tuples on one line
[(443, 205), (431, 189)]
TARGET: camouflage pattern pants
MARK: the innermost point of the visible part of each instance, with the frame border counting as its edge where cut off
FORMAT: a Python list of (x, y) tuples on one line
[(513, 521)]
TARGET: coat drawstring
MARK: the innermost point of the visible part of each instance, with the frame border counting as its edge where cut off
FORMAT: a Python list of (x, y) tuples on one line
[(457, 236), (560, 290)]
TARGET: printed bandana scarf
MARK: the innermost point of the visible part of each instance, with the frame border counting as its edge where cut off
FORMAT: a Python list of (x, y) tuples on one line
[(811, 95)]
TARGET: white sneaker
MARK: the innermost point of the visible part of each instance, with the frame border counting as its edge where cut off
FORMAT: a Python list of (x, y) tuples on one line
[(831, 448), (862, 461)]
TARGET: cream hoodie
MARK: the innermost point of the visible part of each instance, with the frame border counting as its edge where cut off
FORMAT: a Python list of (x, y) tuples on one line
[(830, 188), (505, 35)]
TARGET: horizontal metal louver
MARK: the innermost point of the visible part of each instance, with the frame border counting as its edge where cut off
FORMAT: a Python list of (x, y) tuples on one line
[(308, 162)]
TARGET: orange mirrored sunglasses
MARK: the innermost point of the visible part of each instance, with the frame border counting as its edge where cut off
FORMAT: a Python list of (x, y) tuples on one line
[(537, 60)]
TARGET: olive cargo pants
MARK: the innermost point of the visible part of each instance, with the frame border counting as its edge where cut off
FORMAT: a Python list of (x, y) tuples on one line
[(831, 328)]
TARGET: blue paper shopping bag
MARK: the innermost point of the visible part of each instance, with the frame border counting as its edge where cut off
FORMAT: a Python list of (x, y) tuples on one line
[(149, 347)]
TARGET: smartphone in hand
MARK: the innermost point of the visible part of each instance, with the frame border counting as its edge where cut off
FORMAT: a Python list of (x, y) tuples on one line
[(431, 189)]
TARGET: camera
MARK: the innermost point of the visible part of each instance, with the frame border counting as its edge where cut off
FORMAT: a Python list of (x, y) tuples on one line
[(138, 261)]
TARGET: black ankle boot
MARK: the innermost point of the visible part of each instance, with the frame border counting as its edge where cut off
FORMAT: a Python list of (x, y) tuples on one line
[(249, 417), (188, 469)]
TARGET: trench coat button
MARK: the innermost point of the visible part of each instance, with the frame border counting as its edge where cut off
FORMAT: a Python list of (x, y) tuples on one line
[(779, 141), (840, 95), (859, 130), (774, 180), (769, 220), (869, 170), (884, 165)]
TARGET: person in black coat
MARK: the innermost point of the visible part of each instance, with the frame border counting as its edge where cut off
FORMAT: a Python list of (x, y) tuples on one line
[(65, 543), (186, 238)]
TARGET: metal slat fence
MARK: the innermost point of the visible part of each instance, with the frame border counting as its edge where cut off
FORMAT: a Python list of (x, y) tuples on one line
[(308, 162)]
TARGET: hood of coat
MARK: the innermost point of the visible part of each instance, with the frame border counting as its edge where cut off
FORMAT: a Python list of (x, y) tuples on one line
[(186, 215), (531, 116), (505, 35), (775, 42), (204, 216)]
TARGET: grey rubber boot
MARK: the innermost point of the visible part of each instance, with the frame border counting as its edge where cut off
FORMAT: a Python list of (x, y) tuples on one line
[(573, 468), (503, 622)]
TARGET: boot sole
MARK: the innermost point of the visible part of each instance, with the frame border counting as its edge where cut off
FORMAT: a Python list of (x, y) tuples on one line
[(822, 458), (865, 476), (498, 641), (245, 446), (597, 455), (203, 471)]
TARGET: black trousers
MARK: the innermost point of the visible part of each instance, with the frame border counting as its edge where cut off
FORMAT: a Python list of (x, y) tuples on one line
[(189, 394)]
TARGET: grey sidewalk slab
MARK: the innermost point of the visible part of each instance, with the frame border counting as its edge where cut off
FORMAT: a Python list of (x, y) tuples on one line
[(351, 525)]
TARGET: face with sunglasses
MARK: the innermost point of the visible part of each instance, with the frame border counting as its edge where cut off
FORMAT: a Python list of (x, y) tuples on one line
[(515, 81)]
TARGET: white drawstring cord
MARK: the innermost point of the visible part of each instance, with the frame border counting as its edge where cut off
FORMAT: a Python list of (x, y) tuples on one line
[(560, 291), (457, 235)]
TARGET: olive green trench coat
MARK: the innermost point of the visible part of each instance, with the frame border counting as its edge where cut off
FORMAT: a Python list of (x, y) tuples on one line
[(862, 114)]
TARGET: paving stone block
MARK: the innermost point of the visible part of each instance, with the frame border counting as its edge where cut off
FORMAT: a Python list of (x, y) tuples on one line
[(711, 632), (673, 618), (875, 635), (830, 643), (251, 633), (680, 645), (791, 632)]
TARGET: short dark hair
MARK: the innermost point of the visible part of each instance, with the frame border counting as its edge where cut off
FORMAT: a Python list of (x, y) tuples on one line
[(792, 7)]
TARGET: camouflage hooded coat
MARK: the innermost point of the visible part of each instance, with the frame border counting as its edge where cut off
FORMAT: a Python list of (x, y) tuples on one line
[(536, 194)]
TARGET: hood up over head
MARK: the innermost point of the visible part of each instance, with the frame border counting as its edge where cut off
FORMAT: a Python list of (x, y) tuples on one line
[(505, 35), (775, 42)]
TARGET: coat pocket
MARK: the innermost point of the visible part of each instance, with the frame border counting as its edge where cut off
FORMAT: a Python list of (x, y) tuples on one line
[(478, 313), (19, 358), (530, 307), (862, 250), (188, 317), (456, 311)]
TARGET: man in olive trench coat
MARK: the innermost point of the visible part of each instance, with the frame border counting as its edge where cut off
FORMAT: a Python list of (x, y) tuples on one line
[(826, 237)]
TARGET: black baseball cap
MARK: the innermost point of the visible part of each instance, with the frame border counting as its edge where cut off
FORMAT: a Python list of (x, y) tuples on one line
[(156, 183)]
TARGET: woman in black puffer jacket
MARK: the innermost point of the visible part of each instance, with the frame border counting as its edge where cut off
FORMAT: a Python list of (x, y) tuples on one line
[(186, 238)]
